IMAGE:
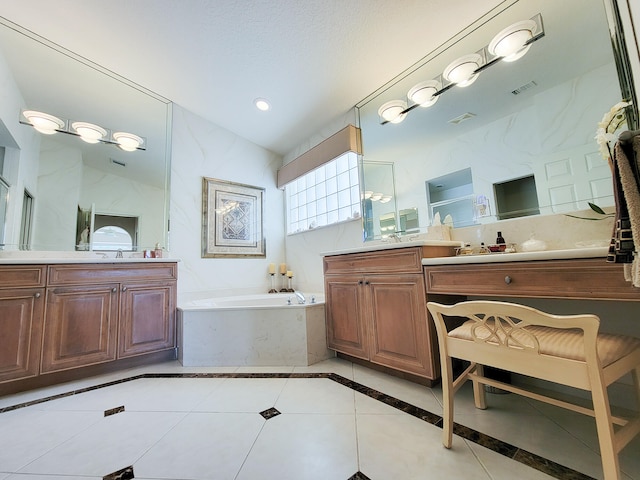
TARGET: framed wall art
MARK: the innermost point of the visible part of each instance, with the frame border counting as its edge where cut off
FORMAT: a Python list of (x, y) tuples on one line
[(232, 219)]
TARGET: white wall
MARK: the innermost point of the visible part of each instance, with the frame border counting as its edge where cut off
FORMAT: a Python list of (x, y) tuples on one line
[(202, 149)]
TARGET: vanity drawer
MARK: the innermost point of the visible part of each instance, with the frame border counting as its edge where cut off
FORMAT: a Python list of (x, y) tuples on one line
[(591, 278), (407, 260), (18, 276), (78, 274)]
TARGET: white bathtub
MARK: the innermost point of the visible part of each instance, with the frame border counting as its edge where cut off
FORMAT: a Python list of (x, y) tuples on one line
[(252, 330)]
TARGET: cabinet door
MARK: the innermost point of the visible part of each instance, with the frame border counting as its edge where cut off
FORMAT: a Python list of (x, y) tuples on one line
[(344, 310), (147, 318), (400, 334), (80, 326), (21, 316)]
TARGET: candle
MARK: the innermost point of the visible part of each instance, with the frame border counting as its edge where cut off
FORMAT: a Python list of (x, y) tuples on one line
[(283, 268), (289, 273), (272, 268)]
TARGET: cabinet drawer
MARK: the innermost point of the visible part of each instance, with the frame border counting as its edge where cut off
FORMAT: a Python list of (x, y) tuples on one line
[(17, 276), (396, 260), (580, 278), (79, 274)]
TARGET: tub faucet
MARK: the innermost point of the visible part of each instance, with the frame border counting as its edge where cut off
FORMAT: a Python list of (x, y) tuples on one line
[(301, 299)]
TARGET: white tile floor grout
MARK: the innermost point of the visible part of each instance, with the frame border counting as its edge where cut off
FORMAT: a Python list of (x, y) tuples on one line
[(210, 428)]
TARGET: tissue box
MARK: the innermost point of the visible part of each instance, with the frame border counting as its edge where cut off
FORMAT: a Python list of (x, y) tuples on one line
[(439, 232)]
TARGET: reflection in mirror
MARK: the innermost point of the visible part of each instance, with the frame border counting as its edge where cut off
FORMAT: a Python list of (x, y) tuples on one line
[(378, 199), (65, 175), (532, 118)]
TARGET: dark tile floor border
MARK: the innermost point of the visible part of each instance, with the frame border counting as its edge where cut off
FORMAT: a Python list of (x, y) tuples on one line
[(530, 459)]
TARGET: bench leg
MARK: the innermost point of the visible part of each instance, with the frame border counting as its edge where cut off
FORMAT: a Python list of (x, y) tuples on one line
[(606, 435)]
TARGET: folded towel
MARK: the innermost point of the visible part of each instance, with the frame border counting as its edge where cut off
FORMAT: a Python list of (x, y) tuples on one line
[(626, 183)]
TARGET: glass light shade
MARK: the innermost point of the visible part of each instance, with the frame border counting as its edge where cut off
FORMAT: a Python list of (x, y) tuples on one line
[(392, 111), (510, 42), (43, 122), (89, 132), (424, 93), (460, 71), (127, 141), (376, 196), (385, 199), (367, 194)]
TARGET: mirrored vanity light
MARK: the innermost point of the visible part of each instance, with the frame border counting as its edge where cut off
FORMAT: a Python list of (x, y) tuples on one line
[(89, 132), (128, 141), (512, 43), (425, 93), (509, 45), (393, 111), (43, 122), (462, 71)]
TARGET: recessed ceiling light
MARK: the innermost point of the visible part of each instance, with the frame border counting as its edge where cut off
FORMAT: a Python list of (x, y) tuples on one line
[(261, 104)]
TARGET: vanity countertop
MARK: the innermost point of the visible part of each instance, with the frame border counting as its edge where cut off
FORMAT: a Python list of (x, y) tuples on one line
[(590, 252), (374, 246), (7, 259)]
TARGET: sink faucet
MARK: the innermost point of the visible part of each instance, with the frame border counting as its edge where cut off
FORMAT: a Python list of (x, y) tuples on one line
[(301, 299)]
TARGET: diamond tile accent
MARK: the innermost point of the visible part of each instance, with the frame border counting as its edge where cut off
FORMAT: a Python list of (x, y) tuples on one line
[(113, 411), (123, 474), (270, 413)]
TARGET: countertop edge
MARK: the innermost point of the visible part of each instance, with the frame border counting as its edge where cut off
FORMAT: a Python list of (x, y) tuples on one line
[(592, 252), (101, 261)]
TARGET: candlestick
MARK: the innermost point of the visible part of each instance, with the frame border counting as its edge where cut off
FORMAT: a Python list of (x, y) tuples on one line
[(289, 273), (272, 268), (284, 287), (290, 281), (283, 268), (273, 288)]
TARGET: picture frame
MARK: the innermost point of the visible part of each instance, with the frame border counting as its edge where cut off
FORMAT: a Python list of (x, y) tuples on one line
[(232, 219)]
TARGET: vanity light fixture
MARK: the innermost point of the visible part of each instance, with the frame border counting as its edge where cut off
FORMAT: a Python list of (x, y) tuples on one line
[(425, 93), (385, 199), (43, 122), (89, 132), (128, 141), (512, 43), (509, 45), (393, 111), (462, 71)]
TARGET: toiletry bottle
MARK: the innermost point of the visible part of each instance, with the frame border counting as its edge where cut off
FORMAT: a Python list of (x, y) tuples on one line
[(500, 239), (483, 249), (158, 251)]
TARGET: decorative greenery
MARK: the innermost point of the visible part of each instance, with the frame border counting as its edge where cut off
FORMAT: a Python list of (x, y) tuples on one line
[(596, 209), (607, 128)]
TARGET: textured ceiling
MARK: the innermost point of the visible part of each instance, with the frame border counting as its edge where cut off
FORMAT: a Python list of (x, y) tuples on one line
[(312, 59)]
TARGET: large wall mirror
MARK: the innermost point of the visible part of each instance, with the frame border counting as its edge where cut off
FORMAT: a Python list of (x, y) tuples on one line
[(60, 188), (520, 139)]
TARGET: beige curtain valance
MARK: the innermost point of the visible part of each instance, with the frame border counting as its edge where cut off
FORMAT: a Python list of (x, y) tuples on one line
[(346, 140)]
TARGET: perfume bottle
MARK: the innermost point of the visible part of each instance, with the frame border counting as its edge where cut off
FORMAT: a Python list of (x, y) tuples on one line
[(500, 239)]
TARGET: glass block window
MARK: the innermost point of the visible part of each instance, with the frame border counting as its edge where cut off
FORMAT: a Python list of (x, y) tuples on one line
[(327, 195)]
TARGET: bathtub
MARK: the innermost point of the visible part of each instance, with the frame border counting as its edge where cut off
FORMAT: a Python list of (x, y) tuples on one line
[(252, 330)]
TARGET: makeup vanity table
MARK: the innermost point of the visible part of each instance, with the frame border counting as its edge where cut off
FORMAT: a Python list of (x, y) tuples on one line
[(375, 296)]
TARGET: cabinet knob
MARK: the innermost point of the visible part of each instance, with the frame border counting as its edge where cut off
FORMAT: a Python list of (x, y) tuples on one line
[(507, 279), (36, 295), (114, 289), (124, 289), (360, 282), (367, 282)]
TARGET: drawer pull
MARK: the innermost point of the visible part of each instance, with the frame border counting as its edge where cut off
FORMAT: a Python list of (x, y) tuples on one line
[(367, 282), (114, 289), (360, 282), (37, 295), (124, 289), (507, 279)]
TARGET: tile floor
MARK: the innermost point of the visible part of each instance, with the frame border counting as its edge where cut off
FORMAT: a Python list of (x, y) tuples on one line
[(358, 424)]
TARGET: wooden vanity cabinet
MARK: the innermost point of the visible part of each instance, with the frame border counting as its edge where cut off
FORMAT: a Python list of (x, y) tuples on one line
[(375, 307), (99, 313), (22, 297)]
